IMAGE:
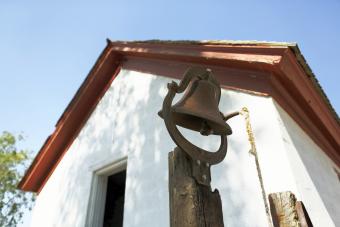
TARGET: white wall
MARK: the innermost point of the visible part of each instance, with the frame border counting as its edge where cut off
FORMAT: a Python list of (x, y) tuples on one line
[(125, 124), (317, 183)]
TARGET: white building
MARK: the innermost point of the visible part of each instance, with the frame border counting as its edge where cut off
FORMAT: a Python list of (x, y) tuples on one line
[(111, 125)]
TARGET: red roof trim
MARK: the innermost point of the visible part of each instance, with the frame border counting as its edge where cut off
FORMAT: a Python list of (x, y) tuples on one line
[(302, 102), (72, 120)]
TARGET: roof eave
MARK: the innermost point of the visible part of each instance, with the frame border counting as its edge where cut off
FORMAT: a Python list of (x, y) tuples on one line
[(252, 55)]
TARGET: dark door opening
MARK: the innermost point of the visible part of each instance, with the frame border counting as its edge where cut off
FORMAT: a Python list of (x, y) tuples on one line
[(114, 202)]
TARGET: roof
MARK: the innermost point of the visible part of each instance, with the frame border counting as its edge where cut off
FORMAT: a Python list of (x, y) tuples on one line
[(291, 45), (284, 66)]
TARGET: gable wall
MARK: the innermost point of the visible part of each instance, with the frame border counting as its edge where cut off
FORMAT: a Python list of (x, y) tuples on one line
[(125, 124)]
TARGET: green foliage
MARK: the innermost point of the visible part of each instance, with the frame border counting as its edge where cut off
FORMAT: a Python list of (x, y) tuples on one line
[(13, 162)]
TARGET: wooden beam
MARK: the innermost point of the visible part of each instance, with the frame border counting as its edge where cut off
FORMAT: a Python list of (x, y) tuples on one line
[(191, 204)]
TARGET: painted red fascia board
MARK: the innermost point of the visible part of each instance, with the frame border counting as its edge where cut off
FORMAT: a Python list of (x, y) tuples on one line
[(294, 105), (292, 71), (309, 110), (262, 58), (240, 56), (71, 121)]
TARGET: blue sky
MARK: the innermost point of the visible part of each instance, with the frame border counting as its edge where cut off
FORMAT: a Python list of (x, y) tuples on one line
[(47, 48)]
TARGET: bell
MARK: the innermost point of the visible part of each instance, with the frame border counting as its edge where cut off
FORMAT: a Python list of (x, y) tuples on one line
[(198, 109)]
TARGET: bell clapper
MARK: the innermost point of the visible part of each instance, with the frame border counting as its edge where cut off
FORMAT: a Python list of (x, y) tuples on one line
[(205, 129)]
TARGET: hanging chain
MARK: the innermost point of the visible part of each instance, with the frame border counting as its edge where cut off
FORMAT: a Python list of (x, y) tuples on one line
[(245, 113)]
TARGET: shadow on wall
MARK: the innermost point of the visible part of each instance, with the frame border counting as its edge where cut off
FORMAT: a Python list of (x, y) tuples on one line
[(125, 123)]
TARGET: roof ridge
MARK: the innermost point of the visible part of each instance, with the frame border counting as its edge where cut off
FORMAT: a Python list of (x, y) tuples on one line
[(212, 42)]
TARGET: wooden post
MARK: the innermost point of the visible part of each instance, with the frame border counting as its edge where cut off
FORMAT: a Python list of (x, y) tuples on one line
[(287, 212), (191, 204)]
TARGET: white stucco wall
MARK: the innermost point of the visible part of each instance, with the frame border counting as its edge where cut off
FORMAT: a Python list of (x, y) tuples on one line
[(125, 124), (317, 183)]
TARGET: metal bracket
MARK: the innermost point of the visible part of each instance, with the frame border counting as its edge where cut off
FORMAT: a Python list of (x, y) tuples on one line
[(201, 172)]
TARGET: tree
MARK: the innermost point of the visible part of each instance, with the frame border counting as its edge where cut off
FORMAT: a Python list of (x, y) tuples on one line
[(13, 162)]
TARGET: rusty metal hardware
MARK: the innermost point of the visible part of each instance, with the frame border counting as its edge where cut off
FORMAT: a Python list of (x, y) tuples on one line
[(197, 110)]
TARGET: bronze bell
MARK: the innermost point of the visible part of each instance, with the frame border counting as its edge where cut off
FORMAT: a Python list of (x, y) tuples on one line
[(198, 108)]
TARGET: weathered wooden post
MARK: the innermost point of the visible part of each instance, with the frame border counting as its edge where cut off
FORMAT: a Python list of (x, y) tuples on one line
[(286, 211), (192, 202)]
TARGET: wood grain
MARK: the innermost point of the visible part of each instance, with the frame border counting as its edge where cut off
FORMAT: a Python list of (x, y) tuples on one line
[(191, 204)]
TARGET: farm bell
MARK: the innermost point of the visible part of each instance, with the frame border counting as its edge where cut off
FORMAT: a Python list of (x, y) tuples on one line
[(198, 108)]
